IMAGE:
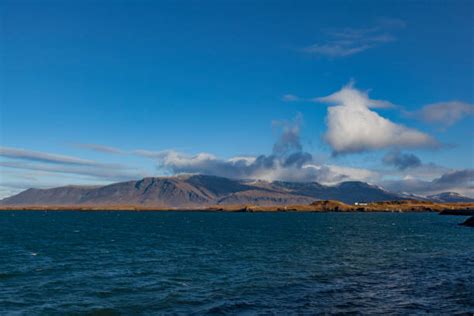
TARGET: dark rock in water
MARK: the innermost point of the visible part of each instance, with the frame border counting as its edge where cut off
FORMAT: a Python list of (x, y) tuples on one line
[(461, 212), (469, 222)]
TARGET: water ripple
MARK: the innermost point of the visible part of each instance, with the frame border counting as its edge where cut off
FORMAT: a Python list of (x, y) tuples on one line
[(107, 263)]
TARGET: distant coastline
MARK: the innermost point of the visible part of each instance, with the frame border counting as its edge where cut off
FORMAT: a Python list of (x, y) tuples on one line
[(317, 206), (211, 193)]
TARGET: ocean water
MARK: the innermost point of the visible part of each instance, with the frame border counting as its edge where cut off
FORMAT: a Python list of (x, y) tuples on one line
[(133, 263)]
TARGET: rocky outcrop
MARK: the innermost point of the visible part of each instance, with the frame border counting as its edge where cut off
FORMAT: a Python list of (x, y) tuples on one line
[(469, 222)]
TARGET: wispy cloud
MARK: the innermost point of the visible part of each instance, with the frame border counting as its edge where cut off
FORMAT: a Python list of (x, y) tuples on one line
[(443, 114), (100, 148), (349, 41), (18, 153), (49, 163), (115, 174), (290, 98)]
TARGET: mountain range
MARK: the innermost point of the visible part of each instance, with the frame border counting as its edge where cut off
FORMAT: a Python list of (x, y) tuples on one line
[(202, 190), (449, 197)]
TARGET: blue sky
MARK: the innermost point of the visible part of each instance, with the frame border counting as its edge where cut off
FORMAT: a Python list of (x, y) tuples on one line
[(78, 77)]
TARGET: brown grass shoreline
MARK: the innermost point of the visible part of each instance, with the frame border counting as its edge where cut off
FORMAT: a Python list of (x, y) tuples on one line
[(317, 206)]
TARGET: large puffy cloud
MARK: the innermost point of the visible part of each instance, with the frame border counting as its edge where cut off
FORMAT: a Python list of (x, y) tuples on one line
[(353, 127), (287, 162)]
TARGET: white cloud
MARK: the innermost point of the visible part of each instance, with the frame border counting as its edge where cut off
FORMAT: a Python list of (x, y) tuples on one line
[(353, 127), (287, 162), (297, 167), (357, 174)]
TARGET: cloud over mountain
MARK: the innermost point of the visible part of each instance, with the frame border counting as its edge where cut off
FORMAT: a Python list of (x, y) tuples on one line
[(288, 161), (353, 127), (461, 181)]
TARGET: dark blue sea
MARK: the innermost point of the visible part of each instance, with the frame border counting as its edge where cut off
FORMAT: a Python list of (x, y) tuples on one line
[(133, 263)]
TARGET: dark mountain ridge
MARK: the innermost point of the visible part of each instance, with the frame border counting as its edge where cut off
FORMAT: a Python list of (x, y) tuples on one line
[(201, 190), (449, 197)]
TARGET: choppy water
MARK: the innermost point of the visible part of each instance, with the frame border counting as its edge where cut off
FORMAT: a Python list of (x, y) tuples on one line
[(127, 263)]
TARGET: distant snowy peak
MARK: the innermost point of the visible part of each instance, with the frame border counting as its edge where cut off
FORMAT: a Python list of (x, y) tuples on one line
[(449, 197)]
